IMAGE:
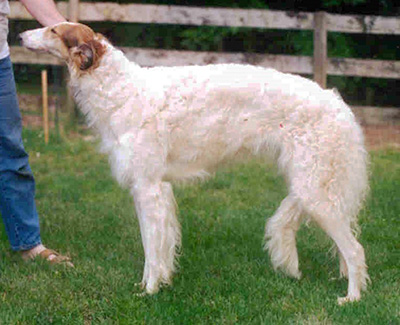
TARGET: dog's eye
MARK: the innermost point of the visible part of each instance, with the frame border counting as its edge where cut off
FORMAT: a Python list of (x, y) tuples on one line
[(53, 31)]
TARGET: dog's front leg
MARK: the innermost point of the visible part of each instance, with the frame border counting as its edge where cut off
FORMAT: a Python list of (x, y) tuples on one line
[(160, 230)]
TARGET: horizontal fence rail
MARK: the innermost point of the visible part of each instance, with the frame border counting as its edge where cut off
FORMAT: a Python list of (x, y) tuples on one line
[(284, 63), (197, 16)]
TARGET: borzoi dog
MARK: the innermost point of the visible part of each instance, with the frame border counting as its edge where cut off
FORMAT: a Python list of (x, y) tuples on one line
[(164, 124)]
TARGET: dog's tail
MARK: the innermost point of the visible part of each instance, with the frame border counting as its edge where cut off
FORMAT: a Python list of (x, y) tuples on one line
[(352, 168), (328, 168), (354, 183)]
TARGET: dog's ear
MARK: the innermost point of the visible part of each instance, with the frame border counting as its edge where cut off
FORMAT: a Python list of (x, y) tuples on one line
[(88, 54), (83, 46), (83, 56)]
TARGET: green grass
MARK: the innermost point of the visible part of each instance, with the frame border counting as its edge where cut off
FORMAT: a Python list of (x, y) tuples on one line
[(225, 277)]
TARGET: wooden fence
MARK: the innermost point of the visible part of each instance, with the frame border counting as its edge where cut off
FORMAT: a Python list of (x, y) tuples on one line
[(321, 23)]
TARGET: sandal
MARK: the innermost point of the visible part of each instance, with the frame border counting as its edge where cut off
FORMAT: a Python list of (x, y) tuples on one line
[(58, 259)]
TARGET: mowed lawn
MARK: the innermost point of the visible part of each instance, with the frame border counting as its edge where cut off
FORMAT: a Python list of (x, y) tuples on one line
[(224, 278)]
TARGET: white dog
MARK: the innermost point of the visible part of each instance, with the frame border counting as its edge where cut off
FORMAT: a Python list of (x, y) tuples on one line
[(162, 124)]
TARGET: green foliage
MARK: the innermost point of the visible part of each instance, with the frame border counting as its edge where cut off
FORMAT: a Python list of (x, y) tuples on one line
[(340, 45), (205, 39), (337, 3)]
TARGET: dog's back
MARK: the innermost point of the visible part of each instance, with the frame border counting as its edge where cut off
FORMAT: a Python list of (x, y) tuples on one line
[(208, 115)]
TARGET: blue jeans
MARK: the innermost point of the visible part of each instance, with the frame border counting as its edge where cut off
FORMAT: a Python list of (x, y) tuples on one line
[(17, 185)]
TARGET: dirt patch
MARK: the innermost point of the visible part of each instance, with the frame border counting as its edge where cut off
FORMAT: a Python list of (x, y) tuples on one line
[(382, 136), (33, 103), (33, 121)]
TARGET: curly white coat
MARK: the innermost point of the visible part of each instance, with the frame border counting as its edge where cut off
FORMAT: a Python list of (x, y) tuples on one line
[(166, 124)]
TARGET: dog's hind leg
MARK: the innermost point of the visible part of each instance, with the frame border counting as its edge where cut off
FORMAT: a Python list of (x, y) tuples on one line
[(339, 229), (280, 236), (160, 230)]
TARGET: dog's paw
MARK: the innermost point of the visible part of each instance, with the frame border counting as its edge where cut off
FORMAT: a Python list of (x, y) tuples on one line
[(139, 286), (292, 272), (344, 300), (295, 274), (151, 290), (148, 288)]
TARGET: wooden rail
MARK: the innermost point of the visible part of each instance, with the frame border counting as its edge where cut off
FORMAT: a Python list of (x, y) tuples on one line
[(284, 63), (196, 16)]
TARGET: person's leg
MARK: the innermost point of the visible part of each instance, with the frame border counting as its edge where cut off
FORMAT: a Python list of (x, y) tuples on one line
[(17, 185)]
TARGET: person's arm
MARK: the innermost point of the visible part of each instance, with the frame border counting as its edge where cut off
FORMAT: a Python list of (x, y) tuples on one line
[(44, 11)]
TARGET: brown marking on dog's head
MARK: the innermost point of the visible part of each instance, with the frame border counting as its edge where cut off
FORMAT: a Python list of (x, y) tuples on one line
[(81, 45)]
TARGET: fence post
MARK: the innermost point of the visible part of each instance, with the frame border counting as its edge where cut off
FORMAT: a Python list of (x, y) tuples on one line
[(320, 48), (73, 11), (45, 107)]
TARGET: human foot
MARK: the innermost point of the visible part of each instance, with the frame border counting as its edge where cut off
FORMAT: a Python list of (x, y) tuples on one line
[(49, 255)]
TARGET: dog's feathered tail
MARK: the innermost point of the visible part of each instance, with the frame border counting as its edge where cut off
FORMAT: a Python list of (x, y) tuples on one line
[(350, 184)]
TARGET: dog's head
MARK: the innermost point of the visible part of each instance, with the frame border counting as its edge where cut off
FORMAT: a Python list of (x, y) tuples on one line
[(77, 44)]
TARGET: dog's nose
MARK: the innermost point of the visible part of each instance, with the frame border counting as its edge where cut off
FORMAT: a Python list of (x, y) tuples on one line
[(19, 38)]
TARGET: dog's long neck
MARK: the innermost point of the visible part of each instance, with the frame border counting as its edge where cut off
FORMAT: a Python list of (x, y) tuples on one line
[(99, 93)]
